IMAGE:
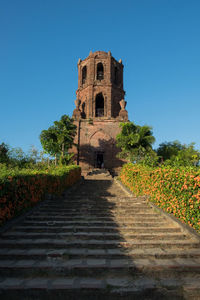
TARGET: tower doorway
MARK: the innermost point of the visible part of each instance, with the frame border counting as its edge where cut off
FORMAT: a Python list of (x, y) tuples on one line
[(99, 160)]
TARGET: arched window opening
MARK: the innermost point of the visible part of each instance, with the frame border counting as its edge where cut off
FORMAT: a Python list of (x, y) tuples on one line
[(100, 74), (99, 108), (116, 78), (83, 114), (84, 74)]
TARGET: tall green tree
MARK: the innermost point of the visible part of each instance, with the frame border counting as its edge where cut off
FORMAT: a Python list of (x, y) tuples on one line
[(48, 139), (174, 153), (4, 150), (57, 139), (18, 158), (167, 150), (135, 141), (33, 154)]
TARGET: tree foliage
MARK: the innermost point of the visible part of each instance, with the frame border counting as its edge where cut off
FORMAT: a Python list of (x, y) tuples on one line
[(16, 157), (135, 141), (4, 150), (174, 153), (34, 154), (167, 150), (48, 139), (58, 139)]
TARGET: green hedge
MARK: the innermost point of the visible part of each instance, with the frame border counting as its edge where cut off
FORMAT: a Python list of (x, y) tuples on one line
[(175, 190), (21, 189)]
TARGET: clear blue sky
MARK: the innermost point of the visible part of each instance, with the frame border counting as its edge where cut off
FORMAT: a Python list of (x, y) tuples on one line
[(42, 40)]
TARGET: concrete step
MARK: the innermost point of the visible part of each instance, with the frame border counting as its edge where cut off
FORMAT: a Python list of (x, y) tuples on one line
[(96, 235), (101, 223), (96, 209), (98, 267), (94, 199), (114, 202), (112, 288), (102, 228), (96, 243), (96, 205), (97, 213), (89, 217), (71, 253), (101, 210)]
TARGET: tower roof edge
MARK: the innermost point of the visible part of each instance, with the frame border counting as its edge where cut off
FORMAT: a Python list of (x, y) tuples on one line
[(99, 54)]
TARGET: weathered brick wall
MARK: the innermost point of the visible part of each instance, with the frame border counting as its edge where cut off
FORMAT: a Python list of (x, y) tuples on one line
[(112, 91), (97, 134)]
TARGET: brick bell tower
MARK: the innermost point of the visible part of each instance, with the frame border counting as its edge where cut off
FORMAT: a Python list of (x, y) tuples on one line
[(100, 107)]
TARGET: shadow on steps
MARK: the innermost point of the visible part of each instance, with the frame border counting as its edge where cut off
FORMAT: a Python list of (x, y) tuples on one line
[(95, 243)]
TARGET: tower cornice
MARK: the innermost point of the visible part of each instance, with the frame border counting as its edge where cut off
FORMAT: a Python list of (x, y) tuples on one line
[(100, 86)]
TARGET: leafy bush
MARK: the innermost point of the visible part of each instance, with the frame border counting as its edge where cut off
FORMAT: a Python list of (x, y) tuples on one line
[(23, 188), (175, 190)]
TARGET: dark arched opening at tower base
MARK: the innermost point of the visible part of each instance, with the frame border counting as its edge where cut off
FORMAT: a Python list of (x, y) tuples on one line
[(99, 105), (99, 159)]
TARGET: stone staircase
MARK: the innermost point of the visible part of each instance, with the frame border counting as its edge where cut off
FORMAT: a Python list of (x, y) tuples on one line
[(98, 242)]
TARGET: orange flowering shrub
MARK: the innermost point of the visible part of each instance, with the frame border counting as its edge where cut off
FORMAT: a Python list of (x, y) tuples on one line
[(175, 190), (23, 190)]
